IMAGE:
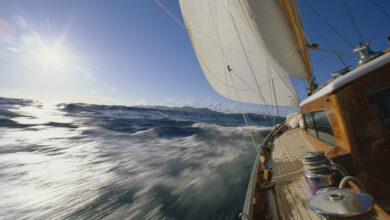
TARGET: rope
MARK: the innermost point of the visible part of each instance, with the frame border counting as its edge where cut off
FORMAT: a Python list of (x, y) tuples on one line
[(353, 21), (287, 174), (170, 14), (329, 25), (380, 8)]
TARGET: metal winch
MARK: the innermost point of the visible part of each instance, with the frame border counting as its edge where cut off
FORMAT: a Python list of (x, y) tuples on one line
[(329, 200), (343, 202), (318, 171)]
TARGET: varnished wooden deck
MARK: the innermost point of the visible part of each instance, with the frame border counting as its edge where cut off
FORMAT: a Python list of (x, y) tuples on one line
[(289, 199)]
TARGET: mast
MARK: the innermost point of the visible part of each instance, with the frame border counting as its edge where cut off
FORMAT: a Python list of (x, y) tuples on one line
[(238, 38), (293, 17)]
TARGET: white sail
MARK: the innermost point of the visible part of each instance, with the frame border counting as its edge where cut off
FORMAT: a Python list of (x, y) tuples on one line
[(246, 49)]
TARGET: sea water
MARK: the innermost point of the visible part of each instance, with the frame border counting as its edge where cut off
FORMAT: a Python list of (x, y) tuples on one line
[(81, 161)]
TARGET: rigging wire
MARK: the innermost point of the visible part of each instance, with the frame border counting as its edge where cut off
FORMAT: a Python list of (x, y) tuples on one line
[(250, 66), (338, 53), (329, 25), (276, 102), (245, 116), (230, 70), (380, 8), (353, 20), (271, 82), (257, 84), (321, 59), (170, 14), (246, 121), (330, 45)]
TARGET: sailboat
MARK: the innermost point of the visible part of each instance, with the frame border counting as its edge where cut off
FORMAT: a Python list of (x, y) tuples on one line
[(335, 164)]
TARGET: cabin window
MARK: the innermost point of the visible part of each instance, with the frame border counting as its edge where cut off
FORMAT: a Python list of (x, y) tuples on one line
[(318, 125), (380, 101)]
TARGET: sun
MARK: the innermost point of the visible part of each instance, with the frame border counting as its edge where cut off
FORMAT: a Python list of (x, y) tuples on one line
[(51, 59)]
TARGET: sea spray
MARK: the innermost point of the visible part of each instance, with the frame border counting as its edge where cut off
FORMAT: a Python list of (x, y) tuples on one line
[(95, 161)]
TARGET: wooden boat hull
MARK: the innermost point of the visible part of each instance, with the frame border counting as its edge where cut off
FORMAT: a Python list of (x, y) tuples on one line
[(289, 197), (348, 119)]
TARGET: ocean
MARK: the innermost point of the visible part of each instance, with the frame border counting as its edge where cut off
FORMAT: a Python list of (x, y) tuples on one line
[(83, 161)]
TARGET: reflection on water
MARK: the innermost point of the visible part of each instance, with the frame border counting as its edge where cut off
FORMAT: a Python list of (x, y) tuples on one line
[(89, 161)]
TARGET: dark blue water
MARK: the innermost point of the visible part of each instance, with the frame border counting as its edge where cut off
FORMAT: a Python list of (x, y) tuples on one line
[(115, 162)]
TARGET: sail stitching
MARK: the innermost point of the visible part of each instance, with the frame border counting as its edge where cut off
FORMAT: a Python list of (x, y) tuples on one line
[(250, 66), (209, 70)]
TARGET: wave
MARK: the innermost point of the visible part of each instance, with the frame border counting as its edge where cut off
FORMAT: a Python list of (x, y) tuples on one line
[(95, 161)]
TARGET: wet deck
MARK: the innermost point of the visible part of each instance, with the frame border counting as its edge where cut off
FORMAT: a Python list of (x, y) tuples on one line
[(291, 194)]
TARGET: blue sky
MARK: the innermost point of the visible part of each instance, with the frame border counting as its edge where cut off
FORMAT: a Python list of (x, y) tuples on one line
[(133, 53)]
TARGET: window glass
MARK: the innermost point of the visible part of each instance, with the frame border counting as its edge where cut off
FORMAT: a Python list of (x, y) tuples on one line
[(310, 128), (380, 101), (318, 126), (323, 127)]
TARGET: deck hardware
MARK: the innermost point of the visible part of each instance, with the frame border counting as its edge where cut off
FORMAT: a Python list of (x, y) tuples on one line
[(314, 46), (344, 181), (266, 185), (366, 54), (318, 171), (342, 71), (336, 196), (341, 202), (340, 168), (243, 215)]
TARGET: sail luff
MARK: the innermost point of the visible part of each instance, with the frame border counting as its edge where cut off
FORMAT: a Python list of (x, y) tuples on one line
[(292, 17)]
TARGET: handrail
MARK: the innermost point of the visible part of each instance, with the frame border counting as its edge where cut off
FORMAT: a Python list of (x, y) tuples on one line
[(245, 214), (249, 193), (377, 207)]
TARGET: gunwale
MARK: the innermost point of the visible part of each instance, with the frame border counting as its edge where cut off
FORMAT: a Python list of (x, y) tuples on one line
[(289, 198)]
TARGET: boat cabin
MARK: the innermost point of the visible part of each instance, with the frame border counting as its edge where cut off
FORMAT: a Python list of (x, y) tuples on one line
[(349, 119)]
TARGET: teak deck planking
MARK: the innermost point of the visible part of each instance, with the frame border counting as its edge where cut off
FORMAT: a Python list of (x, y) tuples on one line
[(291, 192), (290, 196)]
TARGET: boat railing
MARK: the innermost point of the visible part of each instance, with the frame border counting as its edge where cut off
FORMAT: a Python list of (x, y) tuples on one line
[(249, 193), (245, 214)]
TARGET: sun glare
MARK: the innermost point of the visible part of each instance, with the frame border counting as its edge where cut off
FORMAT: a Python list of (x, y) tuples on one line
[(51, 59)]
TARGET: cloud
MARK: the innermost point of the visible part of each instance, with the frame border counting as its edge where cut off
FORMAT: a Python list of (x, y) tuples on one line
[(7, 34), (19, 20), (225, 107), (208, 103), (13, 49), (93, 92), (84, 70)]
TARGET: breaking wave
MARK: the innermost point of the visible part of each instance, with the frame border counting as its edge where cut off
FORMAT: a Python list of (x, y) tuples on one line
[(117, 162)]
